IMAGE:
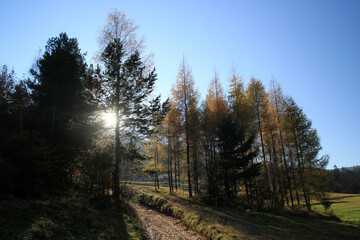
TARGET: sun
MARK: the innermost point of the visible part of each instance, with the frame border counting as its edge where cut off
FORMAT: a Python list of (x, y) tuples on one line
[(109, 119)]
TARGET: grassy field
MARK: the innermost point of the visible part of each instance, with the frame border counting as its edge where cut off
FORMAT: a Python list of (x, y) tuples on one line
[(260, 225), (344, 206)]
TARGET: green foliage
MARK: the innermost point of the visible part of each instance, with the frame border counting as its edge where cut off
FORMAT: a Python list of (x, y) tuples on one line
[(236, 153), (152, 171), (128, 86)]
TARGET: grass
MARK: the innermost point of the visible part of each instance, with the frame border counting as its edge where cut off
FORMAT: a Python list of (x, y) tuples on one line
[(344, 206), (286, 225), (65, 219), (192, 220)]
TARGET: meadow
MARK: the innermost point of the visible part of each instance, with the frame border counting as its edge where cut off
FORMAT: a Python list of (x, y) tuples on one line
[(344, 206)]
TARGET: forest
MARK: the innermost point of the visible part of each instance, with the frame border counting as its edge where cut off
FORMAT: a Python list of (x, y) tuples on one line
[(74, 128)]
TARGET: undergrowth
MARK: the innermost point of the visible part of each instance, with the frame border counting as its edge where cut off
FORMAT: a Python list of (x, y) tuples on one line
[(66, 219)]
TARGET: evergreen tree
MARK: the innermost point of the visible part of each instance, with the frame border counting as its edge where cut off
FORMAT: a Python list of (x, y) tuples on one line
[(236, 150), (126, 91)]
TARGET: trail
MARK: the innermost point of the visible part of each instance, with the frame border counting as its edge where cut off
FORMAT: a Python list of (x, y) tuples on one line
[(161, 227)]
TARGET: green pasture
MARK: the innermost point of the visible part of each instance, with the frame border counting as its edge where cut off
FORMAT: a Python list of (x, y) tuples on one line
[(344, 206)]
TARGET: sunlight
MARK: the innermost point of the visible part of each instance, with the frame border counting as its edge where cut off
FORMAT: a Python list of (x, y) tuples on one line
[(109, 119)]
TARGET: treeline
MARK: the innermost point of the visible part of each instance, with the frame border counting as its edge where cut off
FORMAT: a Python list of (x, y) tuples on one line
[(250, 146), (40, 117), (345, 180), (53, 139)]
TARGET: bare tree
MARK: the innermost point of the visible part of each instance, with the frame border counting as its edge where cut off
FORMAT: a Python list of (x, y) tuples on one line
[(118, 26)]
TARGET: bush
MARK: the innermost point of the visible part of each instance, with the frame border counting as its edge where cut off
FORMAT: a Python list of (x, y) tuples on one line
[(43, 228)]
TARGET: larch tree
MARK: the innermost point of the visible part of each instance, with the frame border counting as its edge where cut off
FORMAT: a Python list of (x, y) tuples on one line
[(173, 136), (238, 101), (277, 100), (258, 102), (240, 110), (186, 98), (119, 26), (305, 143), (153, 150), (214, 110)]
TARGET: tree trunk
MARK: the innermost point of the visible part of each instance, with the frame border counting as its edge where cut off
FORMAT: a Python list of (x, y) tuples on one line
[(300, 168), (283, 148), (117, 141), (54, 108), (187, 148)]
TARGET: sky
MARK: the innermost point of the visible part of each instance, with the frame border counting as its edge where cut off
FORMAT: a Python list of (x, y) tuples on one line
[(311, 47)]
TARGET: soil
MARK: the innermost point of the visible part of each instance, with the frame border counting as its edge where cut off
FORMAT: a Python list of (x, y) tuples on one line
[(159, 226)]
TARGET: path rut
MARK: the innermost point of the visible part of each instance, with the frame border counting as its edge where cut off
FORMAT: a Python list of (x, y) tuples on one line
[(158, 226)]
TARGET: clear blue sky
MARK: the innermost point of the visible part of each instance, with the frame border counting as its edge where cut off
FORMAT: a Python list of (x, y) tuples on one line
[(311, 47)]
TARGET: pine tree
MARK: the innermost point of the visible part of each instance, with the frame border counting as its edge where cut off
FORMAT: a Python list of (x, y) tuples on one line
[(126, 89), (236, 151)]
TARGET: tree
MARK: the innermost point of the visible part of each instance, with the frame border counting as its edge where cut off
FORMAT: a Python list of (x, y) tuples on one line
[(186, 99), (6, 89), (126, 90), (305, 144), (118, 26), (236, 150), (57, 102), (153, 151), (57, 86), (238, 102), (259, 104), (241, 112), (172, 133), (277, 100), (214, 110)]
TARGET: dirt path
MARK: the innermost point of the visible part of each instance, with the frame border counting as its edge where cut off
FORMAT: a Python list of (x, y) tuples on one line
[(240, 226), (159, 226)]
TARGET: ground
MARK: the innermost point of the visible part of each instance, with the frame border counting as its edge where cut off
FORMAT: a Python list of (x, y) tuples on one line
[(262, 225), (76, 219), (159, 226)]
